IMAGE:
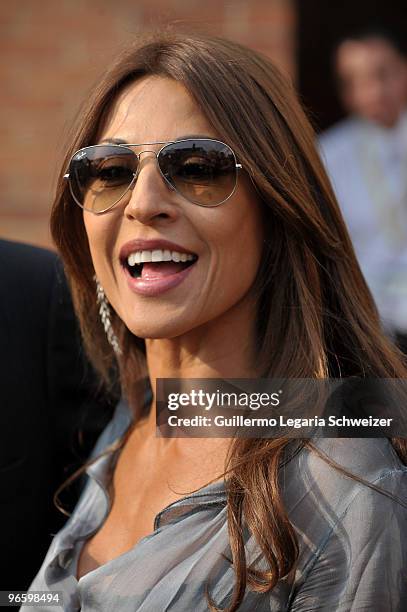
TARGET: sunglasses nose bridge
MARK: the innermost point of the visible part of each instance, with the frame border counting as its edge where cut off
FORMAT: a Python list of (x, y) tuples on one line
[(140, 159), (139, 165), (138, 170)]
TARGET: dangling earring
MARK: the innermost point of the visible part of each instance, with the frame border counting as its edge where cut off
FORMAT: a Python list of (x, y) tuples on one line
[(104, 312)]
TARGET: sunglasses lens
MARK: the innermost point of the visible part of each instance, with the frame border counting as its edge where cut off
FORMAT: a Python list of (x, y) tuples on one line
[(203, 171), (100, 175)]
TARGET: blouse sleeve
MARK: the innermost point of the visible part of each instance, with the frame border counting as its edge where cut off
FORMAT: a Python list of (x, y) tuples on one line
[(362, 566)]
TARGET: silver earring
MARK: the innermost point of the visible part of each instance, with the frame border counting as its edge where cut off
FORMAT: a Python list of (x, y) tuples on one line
[(104, 312)]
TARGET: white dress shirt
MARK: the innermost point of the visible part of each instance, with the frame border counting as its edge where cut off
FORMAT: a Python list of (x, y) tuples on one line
[(367, 165)]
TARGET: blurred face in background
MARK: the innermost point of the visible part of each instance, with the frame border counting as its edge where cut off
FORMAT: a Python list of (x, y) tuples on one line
[(372, 78)]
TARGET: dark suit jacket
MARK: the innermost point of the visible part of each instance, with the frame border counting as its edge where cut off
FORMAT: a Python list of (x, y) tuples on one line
[(47, 397)]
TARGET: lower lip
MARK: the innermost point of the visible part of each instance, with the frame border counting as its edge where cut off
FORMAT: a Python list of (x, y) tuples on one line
[(157, 286)]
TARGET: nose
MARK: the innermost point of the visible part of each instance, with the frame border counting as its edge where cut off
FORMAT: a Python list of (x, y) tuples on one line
[(151, 198)]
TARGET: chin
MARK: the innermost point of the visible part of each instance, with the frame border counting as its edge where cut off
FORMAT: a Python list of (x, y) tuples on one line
[(154, 330), (384, 119)]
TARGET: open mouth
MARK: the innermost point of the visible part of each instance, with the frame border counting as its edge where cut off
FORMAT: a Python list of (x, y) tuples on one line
[(157, 264)]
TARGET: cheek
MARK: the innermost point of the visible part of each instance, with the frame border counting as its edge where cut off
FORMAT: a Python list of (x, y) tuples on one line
[(398, 92), (99, 233), (95, 238), (239, 254)]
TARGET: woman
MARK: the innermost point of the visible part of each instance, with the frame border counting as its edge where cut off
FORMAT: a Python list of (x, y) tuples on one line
[(217, 250)]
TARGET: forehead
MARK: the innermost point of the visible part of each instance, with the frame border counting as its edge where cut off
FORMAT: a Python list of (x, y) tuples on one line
[(364, 56), (154, 109)]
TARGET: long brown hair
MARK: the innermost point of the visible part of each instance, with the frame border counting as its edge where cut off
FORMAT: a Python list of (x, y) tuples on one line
[(315, 314)]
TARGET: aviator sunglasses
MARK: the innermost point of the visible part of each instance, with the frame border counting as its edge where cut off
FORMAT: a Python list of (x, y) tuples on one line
[(202, 170)]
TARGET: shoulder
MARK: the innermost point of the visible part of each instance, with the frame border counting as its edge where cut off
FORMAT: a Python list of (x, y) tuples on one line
[(366, 457), (351, 536), (348, 531), (339, 132), (333, 461), (28, 277), (339, 139), (319, 494), (27, 271), (372, 460), (16, 253)]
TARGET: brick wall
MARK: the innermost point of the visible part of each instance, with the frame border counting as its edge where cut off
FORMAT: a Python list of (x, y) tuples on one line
[(51, 53)]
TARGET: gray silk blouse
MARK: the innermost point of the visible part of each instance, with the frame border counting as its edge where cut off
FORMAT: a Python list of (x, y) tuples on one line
[(353, 540)]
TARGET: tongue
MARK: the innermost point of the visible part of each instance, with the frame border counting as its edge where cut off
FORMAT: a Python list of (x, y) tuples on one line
[(152, 271)]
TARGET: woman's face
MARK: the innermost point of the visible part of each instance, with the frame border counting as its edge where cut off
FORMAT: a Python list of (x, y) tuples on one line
[(171, 300)]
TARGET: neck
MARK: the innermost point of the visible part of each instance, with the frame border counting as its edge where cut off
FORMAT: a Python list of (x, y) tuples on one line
[(391, 124), (223, 348)]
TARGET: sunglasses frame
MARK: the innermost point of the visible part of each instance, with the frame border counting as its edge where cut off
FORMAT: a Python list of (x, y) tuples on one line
[(166, 180)]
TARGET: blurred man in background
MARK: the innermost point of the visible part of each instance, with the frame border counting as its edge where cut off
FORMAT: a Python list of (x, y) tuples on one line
[(366, 158), (50, 413)]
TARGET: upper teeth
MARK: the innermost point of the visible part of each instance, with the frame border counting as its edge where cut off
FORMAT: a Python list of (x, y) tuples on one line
[(157, 255)]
